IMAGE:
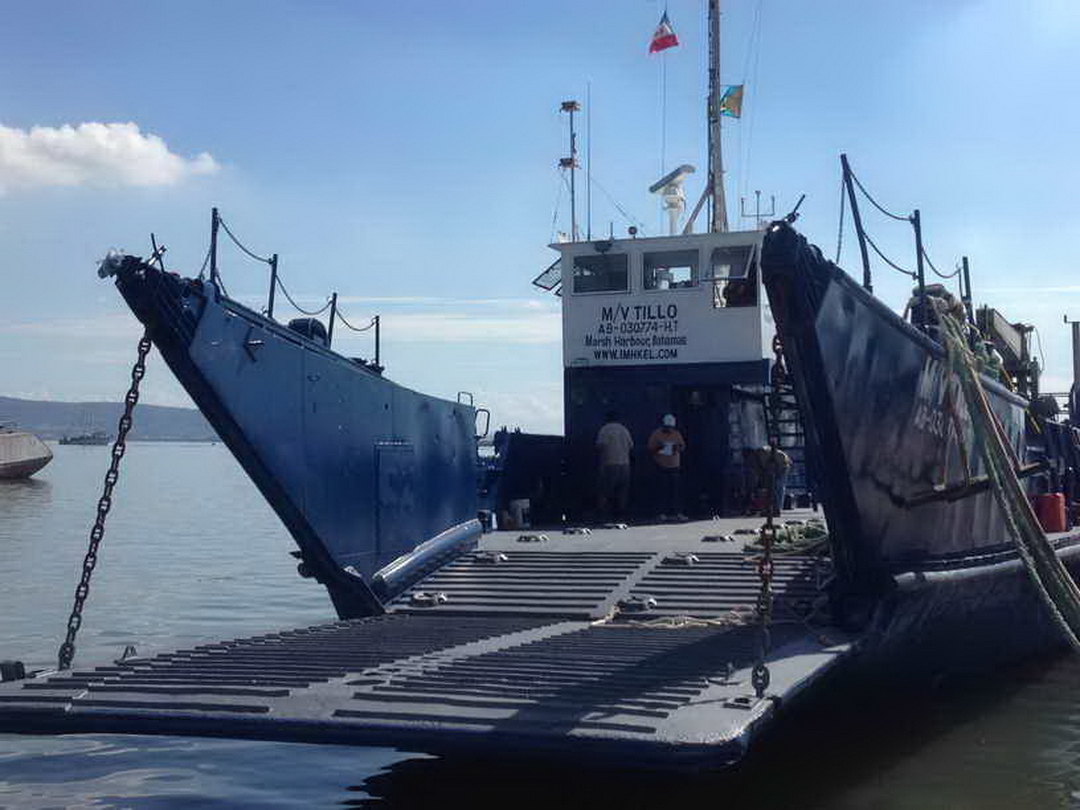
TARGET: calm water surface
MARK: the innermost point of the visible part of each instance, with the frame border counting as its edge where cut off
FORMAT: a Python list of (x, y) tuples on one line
[(192, 554)]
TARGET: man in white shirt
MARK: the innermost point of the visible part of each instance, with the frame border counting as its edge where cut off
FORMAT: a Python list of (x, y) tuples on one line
[(613, 487)]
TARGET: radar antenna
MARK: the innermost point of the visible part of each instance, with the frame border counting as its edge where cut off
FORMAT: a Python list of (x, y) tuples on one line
[(669, 187)]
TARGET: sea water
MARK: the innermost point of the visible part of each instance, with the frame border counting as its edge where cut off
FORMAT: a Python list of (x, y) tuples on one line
[(192, 554)]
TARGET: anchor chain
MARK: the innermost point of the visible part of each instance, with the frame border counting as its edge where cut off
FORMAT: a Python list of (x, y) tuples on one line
[(67, 649), (759, 676)]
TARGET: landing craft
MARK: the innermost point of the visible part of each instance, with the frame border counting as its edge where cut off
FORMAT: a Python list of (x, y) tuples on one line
[(657, 645)]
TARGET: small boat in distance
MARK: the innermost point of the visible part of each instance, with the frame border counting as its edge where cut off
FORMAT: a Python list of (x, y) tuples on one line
[(21, 454), (97, 437)]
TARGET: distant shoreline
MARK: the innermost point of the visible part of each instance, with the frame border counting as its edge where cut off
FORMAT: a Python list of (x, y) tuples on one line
[(53, 420), (142, 440)]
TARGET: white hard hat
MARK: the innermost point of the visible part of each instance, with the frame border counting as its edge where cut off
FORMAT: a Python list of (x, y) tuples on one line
[(669, 420)]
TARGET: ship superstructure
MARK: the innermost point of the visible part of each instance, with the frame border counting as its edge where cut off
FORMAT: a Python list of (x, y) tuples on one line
[(672, 324)]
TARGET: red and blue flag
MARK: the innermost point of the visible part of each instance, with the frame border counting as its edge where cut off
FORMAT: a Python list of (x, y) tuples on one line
[(664, 36)]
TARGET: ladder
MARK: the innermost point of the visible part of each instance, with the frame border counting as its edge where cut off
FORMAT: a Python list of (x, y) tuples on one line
[(785, 429)]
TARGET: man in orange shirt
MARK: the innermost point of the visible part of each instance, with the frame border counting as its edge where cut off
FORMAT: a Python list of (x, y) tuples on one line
[(666, 446)]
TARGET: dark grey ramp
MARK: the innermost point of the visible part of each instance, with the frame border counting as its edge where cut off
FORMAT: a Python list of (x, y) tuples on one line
[(719, 582), (523, 580), (507, 685), (255, 671)]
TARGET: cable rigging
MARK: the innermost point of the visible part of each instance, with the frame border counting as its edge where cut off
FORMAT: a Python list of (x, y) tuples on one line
[(348, 325), (875, 203), (629, 218), (240, 245), (939, 274), (299, 308), (886, 259)]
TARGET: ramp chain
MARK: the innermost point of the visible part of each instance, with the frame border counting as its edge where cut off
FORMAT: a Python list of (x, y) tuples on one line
[(67, 649), (760, 675)]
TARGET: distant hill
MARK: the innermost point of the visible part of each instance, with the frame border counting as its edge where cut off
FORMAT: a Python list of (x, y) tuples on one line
[(53, 420)]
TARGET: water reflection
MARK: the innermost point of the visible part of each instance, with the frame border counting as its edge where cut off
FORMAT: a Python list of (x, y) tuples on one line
[(22, 497)]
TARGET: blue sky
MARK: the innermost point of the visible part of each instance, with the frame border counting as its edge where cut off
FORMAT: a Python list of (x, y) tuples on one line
[(404, 154)]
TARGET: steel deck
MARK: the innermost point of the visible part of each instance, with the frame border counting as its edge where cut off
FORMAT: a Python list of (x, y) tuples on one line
[(530, 654)]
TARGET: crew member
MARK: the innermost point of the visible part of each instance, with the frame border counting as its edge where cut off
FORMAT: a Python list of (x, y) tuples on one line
[(613, 487), (775, 464), (666, 446)]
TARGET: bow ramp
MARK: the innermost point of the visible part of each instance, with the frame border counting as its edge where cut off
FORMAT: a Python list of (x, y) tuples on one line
[(621, 646)]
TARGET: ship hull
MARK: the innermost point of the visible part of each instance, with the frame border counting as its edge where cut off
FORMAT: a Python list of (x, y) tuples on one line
[(22, 455), (875, 395), (359, 469), (962, 620)]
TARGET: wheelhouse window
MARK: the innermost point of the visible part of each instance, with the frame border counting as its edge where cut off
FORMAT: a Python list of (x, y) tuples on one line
[(671, 270), (733, 276), (603, 272)]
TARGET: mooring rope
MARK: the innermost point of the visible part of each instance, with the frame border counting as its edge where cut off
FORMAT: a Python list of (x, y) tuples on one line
[(1048, 574)]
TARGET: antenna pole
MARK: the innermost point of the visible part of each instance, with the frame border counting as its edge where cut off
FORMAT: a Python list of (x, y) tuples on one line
[(857, 219), (571, 163), (588, 160), (716, 161)]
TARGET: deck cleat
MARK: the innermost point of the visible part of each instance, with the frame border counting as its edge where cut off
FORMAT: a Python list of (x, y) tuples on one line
[(577, 530), (636, 604), (532, 538), (425, 599), (490, 558), (718, 538)]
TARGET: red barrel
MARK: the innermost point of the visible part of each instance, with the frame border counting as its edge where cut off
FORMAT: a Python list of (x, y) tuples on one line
[(1050, 510)]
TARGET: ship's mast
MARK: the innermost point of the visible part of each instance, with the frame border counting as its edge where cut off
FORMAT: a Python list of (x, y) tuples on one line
[(719, 222)]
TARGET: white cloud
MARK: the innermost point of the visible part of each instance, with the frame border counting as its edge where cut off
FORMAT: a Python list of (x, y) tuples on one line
[(92, 154)]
